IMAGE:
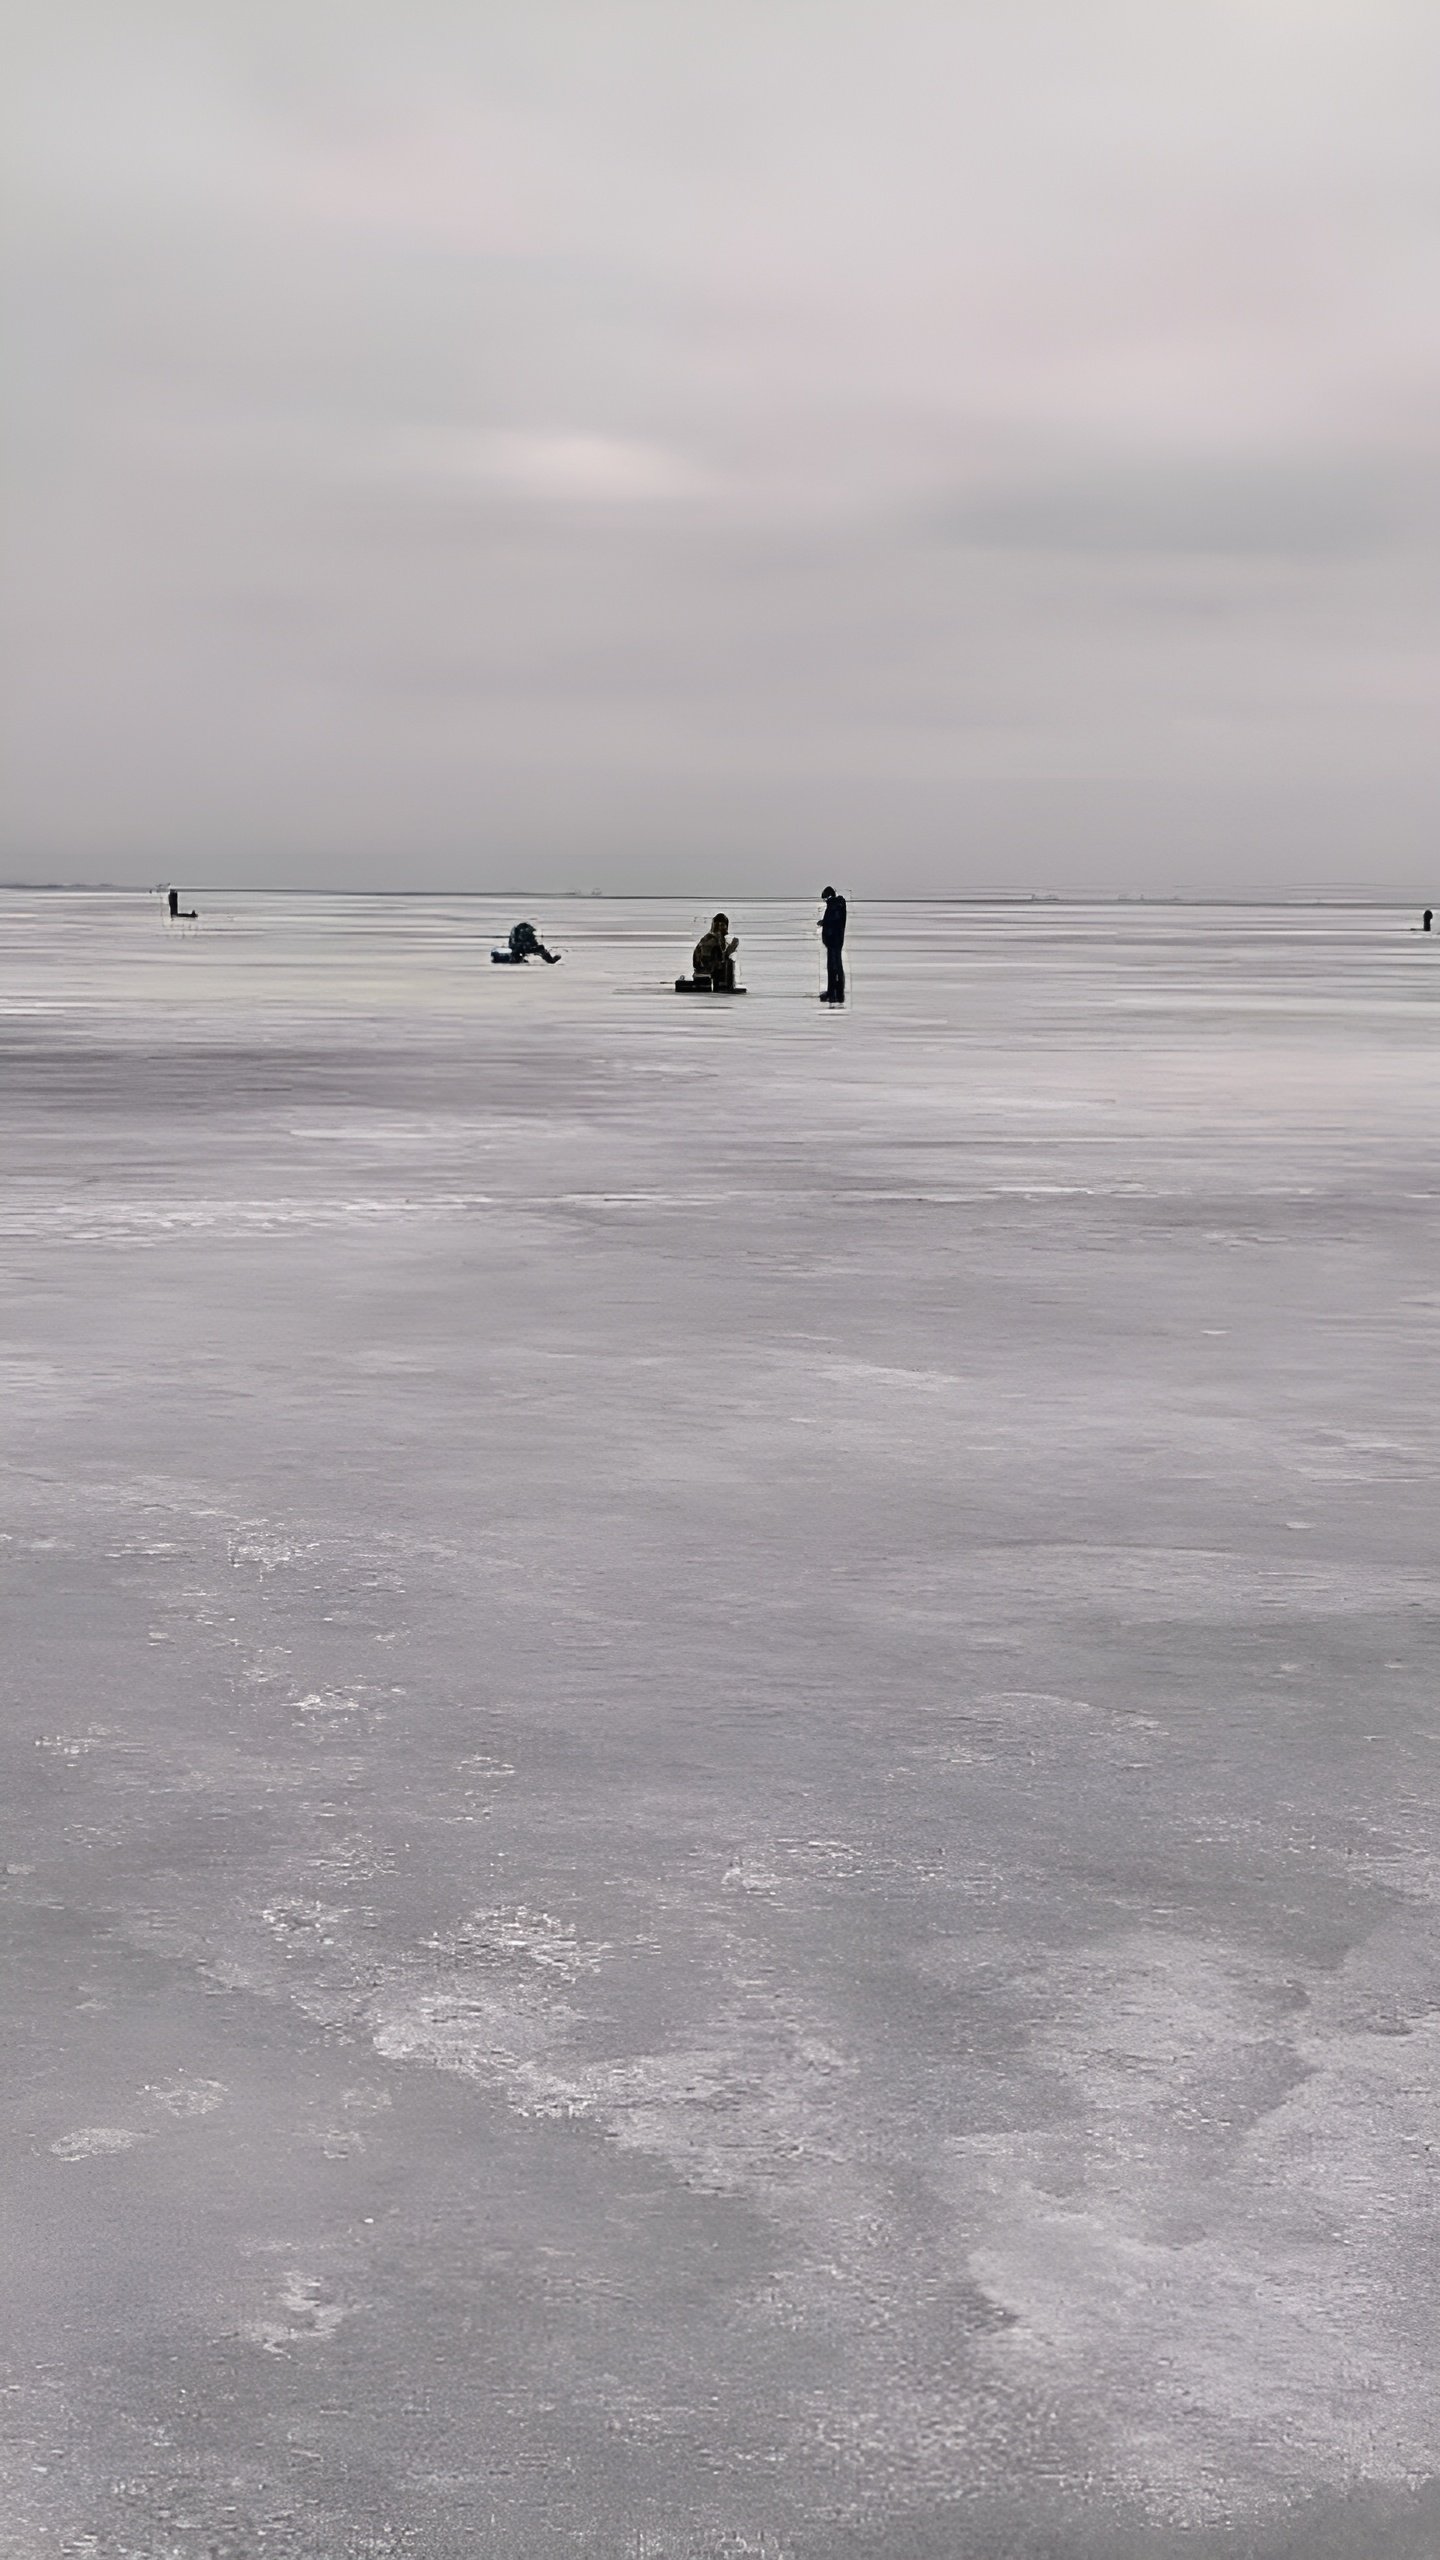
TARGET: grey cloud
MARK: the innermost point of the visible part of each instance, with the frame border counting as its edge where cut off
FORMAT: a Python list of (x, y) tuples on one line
[(1296, 507), (968, 436)]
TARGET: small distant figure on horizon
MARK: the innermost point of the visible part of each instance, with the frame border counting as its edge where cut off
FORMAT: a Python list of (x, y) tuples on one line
[(1427, 920), (177, 913), (525, 944), (713, 959), (832, 934)]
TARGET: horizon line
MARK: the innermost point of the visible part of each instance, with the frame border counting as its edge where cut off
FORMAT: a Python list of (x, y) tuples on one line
[(760, 897)]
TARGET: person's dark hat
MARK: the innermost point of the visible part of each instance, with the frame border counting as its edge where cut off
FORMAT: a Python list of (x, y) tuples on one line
[(827, 893)]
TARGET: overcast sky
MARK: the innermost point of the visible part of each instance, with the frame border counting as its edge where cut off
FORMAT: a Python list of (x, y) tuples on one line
[(722, 444)]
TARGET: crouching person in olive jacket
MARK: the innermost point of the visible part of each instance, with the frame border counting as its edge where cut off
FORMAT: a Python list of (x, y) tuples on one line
[(714, 956)]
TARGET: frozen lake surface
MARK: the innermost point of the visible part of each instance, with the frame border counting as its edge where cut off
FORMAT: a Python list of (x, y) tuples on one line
[(720, 1736)]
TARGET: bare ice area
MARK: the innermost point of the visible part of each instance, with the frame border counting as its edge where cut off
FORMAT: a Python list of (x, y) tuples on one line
[(719, 1747)]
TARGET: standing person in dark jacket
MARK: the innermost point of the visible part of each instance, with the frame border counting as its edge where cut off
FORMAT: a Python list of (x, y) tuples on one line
[(832, 934)]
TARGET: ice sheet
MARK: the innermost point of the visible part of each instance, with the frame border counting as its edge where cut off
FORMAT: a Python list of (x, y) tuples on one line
[(720, 1737)]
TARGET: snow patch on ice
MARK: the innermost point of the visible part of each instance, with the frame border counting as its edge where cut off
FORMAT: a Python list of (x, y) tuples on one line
[(306, 2314), (188, 2097), (148, 1224), (1202, 2250), (95, 2141), (338, 1711)]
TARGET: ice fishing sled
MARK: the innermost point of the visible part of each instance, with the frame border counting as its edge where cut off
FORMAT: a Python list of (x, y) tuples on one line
[(705, 987)]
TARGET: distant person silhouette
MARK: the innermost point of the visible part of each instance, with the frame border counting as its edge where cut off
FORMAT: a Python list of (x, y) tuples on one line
[(1427, 920), (173, 903), (714, 956), (179, 914), (832, 934), (525, 944)]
